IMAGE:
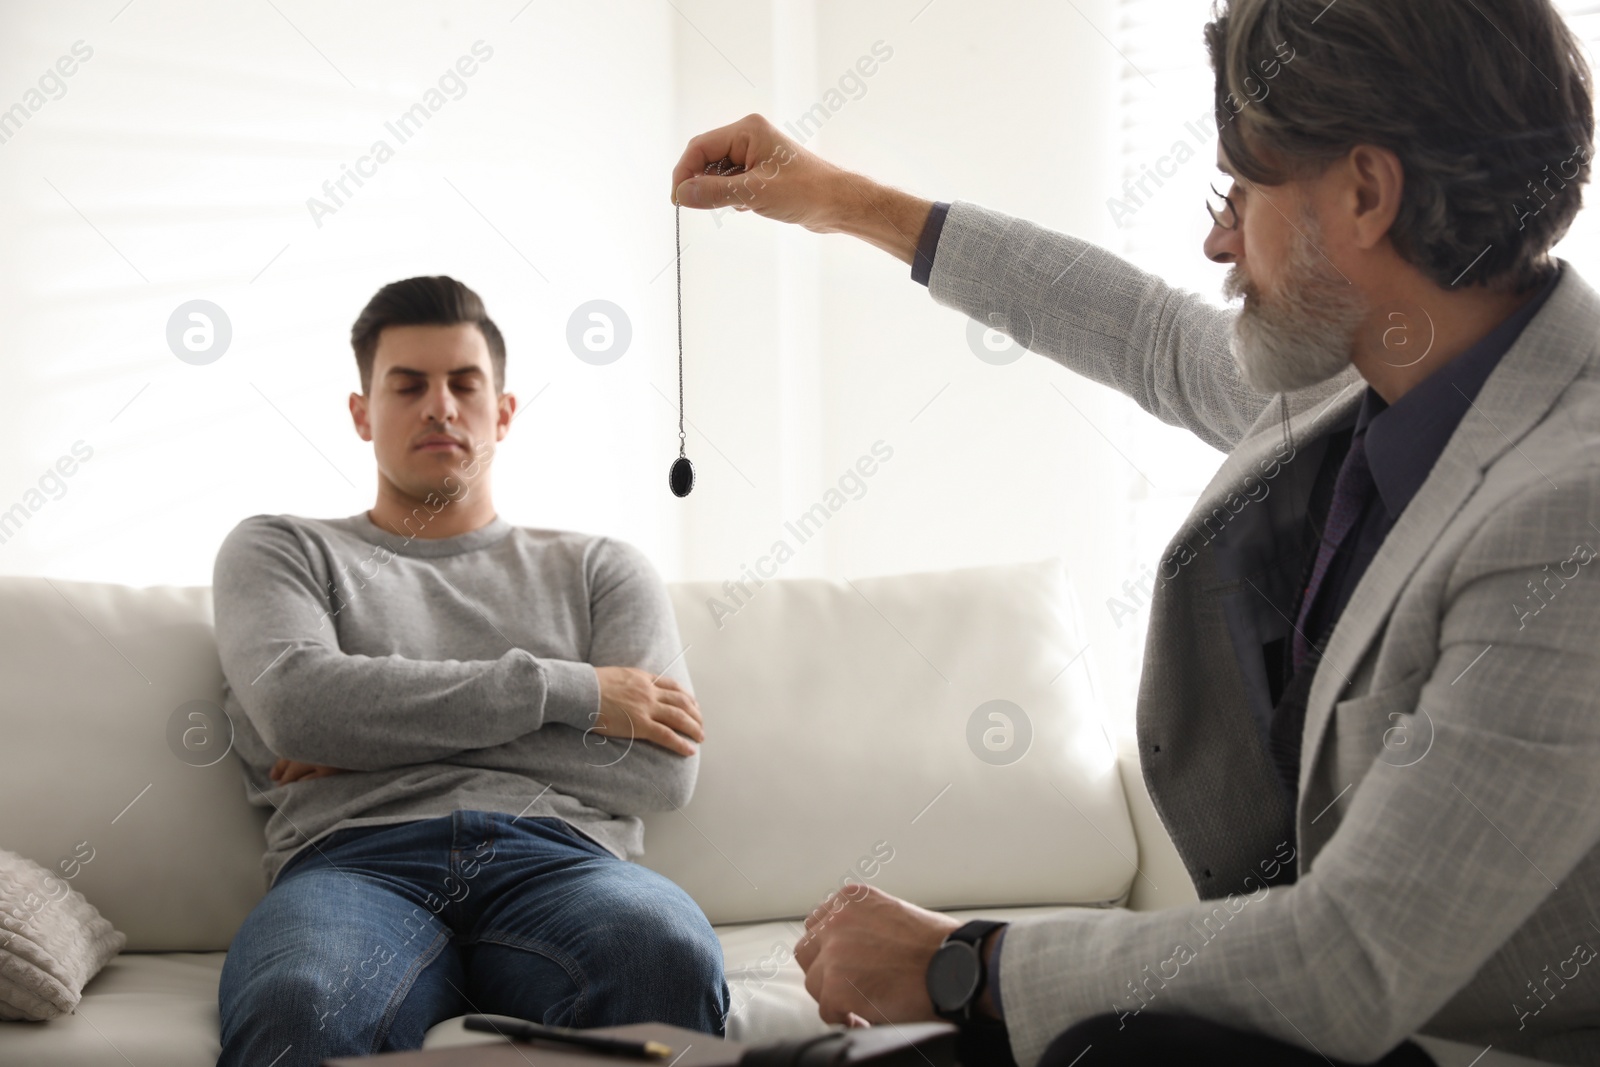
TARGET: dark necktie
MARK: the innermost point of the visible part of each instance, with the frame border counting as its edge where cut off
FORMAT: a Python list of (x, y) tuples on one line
[(1350, 493)]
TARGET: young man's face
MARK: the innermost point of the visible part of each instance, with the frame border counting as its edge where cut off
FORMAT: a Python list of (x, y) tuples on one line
[(432, 413)]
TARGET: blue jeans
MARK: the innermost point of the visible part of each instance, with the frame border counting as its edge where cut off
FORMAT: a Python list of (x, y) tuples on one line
[(376, 933)]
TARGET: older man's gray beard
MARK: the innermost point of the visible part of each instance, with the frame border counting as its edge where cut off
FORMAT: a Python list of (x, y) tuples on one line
[(1306, 334)]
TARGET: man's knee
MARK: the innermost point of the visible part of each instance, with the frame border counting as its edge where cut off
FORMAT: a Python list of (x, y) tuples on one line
[(1071, 1045), (304, 969), (691, 949), (667, 934), (1142, 1037), (290, 1000), (693, 956), (663, 958), (648, 914)]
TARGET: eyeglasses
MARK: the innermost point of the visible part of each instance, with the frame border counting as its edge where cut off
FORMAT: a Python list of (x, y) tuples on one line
[(1227, 216)]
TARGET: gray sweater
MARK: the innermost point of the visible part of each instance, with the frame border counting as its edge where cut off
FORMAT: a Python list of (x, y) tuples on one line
[(443, 674)]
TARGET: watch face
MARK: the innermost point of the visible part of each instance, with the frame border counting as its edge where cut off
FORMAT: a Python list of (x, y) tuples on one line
[(953, 976)]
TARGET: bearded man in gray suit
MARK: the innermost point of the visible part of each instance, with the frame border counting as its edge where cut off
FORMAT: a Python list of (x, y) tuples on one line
[(1370, 709)]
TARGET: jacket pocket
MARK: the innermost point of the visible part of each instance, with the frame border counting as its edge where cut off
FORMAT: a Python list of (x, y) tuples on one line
[(1387, 724)]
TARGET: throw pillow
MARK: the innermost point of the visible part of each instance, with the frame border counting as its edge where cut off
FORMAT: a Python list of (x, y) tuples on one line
[(52, 941)]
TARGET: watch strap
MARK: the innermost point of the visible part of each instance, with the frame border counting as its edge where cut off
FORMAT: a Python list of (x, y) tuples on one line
[(974, 932)]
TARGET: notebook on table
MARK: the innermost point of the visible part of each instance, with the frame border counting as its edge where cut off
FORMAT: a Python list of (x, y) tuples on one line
[(690, 1048), (921, 1044)]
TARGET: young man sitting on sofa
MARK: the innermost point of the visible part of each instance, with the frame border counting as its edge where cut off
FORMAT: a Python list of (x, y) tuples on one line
[(457, 723)]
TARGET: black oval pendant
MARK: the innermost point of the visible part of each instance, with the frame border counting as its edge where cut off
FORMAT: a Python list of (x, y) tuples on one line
[(681, 477)]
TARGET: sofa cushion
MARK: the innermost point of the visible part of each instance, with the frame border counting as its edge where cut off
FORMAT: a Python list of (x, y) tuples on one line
[(936, 735), (142, 1008), (116, 762), (161, 1007)]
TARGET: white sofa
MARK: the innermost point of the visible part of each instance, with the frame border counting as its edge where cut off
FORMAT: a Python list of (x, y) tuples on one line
[(845, 721), (837, 722)]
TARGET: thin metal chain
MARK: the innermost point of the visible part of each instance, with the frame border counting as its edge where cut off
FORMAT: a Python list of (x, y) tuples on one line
[(677, 240), (722, 166)]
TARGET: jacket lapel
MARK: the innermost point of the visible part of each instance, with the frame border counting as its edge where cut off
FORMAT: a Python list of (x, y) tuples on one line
[(1310, 418), (1210, 778), (1537, 368)]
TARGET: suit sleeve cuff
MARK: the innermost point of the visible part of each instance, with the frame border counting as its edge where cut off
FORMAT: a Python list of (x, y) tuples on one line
[(928, 244), (992, 969)]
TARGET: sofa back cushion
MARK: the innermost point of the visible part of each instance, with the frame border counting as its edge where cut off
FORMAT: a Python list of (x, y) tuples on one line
[(934, 734), (850, 734), (114, 771)]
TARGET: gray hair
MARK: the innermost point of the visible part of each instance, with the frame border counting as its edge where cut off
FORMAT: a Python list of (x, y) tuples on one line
[(1488, 106)]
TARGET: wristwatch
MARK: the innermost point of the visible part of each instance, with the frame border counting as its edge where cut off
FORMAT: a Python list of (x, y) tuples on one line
[(957, 974)]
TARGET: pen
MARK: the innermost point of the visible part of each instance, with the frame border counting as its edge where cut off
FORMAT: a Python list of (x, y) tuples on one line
[(526, 1031)]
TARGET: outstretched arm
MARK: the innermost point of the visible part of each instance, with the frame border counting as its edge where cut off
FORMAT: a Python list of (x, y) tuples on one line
[(1069, 300)]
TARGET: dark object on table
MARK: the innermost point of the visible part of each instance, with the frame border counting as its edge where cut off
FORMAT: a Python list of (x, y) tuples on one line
[(906, 1045), (523, 1030), (910, 1045)]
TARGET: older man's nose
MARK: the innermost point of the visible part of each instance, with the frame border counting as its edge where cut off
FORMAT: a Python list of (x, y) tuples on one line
[(1223, 246)]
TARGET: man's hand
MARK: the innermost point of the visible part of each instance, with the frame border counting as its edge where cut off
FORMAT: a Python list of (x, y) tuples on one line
[(635, 703), (866, 953), (784, 182), (287, 770)]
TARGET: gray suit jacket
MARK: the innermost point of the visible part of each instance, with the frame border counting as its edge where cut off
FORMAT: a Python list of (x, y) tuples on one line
[(1447, 874)]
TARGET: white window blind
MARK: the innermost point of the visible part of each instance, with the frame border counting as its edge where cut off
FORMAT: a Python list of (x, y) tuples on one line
[(1166, 96), (1168, 157), (1581, 246)]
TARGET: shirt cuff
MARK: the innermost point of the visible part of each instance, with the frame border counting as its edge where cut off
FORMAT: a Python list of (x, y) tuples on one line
[(571, 693), (928, 244), (992, 970)]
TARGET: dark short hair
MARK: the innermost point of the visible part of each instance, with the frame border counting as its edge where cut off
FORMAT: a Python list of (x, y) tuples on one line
[(436, 300), (1487, 104)]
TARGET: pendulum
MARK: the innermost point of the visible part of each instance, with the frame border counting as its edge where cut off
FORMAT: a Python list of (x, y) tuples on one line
[(681, 477)]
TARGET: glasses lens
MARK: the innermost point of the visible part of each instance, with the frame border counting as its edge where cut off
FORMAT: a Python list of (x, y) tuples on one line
[(1221, 210)]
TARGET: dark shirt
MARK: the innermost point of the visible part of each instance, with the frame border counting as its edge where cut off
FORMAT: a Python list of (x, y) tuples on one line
[(1403, 442)]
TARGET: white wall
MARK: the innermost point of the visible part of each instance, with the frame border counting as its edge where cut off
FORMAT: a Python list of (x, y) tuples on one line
[(847, 350), (178, 163)]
